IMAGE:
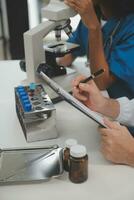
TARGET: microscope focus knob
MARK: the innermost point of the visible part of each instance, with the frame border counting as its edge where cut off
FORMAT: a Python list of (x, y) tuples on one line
[(23, 65)]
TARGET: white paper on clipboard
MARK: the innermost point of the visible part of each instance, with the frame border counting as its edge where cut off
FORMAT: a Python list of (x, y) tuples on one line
[(73, 101)]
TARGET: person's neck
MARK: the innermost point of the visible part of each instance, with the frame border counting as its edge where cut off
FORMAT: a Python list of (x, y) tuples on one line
[(106, 12)]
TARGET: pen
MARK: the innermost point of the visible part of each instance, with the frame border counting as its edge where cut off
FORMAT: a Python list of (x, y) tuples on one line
[(94, 75)]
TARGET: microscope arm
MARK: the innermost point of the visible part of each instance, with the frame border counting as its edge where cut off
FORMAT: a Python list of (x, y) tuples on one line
[(57, 13), (34, 52)]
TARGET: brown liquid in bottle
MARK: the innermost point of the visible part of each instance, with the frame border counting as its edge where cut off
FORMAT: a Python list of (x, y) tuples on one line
[(78, 171), (66, 158)]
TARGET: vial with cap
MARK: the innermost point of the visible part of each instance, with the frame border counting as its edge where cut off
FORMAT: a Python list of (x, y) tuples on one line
[(68, 144), (27, 107), (78, 171), (20, 89), (25, 97), (21, 94), (32, 86)]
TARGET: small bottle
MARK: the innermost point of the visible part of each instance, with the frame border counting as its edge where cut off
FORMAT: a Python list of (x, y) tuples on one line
[(78, 171), (69, 143)]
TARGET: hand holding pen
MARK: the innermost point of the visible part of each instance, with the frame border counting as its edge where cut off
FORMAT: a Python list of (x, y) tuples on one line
[(93, 76), (85, 90)]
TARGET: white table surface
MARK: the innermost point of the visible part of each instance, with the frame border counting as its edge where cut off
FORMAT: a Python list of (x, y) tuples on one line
[(106, 181)]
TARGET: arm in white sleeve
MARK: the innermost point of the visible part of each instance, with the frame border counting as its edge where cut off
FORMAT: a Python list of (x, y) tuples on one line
[(126, 115)]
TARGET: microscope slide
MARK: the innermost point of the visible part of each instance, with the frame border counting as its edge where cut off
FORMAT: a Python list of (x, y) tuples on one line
[(73, 101)]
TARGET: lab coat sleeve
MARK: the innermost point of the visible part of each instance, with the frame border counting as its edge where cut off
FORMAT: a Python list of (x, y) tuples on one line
[(126, 115)]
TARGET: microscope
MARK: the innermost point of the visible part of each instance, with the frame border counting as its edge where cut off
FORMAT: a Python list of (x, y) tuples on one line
[(34, 108), (58, 15)]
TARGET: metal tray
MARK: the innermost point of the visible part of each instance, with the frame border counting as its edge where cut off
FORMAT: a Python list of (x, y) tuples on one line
[(30, 164)]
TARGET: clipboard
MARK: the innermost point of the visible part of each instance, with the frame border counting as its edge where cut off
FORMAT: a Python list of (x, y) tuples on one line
[(72, 100)]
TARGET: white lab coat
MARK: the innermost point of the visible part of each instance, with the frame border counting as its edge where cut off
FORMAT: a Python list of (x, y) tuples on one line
[(126, 115)]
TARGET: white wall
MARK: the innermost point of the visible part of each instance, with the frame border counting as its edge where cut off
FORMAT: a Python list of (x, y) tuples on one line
[(5, 21), (33, 12)]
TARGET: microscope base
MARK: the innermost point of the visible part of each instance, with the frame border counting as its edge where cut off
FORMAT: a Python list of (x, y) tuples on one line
[(52, 71)]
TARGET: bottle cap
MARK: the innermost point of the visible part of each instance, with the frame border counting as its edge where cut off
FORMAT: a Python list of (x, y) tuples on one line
[(32, 86), (27, 107), (20, 89), (20, 86), (22, 94), (25, 97), (70, 142), (78, 151), (26, 101)]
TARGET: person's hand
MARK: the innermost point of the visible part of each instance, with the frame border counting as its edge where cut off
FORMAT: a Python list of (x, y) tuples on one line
[(88, 94), (66, 60), (86, 10), (117, 143)]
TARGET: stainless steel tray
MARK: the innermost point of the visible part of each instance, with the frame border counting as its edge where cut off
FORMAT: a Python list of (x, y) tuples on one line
[(29, 165)]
